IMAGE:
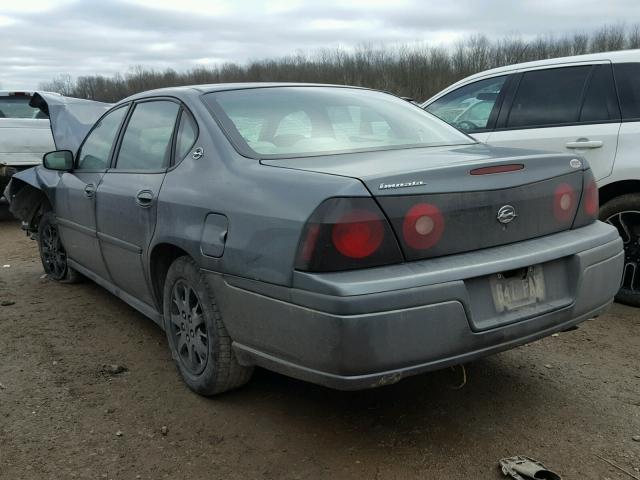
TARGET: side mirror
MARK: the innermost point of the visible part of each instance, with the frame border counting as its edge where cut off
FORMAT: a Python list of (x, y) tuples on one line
[(61, 160)]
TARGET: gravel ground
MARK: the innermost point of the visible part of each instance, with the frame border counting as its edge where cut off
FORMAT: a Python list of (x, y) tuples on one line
[(564, 400)]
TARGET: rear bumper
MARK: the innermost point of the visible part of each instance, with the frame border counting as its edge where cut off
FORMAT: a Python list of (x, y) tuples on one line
[(362, 329)]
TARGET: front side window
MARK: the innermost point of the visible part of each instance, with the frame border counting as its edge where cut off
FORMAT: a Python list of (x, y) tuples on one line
[(627, 79), (146, 143), (95, 151), (469, 108), (286, 122), (548, 97)]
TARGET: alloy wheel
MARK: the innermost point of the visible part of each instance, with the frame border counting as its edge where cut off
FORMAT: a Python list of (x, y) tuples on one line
[(628, 224), (188, 328), (53, 253)]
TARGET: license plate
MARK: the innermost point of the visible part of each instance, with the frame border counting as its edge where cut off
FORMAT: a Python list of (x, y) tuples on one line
[(518, 289)]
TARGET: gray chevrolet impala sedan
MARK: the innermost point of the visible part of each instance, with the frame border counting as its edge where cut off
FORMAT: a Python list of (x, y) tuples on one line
[(337, 235)]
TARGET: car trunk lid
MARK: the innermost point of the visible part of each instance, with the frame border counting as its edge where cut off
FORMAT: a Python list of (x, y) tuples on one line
[(441, 201)]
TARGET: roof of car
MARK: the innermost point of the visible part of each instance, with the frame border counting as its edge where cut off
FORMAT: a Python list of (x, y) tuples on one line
[(218, 87), (620, 56), (26, 93)]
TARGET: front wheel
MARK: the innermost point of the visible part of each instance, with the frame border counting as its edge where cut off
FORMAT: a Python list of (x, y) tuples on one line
[(52, 252), (198, 339), (623, 212)]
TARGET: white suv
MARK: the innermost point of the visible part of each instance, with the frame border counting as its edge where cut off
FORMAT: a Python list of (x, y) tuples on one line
[(25, 135), (588, 104)]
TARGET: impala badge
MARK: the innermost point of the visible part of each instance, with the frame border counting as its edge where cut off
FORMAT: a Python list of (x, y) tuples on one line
[(413, 183), (506, 214)]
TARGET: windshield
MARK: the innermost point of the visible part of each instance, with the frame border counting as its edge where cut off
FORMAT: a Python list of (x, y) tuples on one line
[(15, 106), (285, 122)]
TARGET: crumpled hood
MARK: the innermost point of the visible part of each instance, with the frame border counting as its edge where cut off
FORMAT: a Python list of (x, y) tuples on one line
[(70, 118)]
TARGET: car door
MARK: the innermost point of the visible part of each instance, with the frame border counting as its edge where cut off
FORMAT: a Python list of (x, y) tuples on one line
[(126, 200), (563, 109), (472, 108), (76, 193), (627, 166)]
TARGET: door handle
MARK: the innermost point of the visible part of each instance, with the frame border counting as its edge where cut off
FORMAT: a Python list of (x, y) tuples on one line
[(584, 143), (144, 198), (89, 190)]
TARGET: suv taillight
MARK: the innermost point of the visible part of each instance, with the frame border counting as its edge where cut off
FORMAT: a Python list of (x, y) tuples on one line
[(344, 234), (589, 203)]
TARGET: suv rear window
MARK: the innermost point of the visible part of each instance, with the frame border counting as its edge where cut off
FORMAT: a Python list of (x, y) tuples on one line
[(287, 122), (17, 106), (600, 103), (548, 97), (628, 80)]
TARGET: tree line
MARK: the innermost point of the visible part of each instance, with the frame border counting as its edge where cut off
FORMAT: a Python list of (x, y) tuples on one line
[(417, 70)]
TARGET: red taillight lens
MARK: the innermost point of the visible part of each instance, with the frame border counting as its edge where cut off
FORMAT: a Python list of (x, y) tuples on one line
[(423, 226), (589, 204), (347, 233), (564, 202), (591, 200), (358, 234)]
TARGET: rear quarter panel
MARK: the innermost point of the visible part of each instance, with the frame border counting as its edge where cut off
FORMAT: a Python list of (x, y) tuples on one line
[(266, 206)]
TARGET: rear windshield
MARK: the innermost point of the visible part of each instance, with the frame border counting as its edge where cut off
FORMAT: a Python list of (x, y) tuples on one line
[(14, 106), (285, 122)]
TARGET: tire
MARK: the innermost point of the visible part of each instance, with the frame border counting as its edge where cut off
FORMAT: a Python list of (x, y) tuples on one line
[(52, 253), (199, 342), (623, 212)]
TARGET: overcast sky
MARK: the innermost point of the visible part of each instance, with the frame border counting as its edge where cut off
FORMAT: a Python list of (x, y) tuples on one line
[(41, 39)]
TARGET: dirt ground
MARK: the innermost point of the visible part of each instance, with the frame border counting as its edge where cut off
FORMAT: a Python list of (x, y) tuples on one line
[(564, 400)]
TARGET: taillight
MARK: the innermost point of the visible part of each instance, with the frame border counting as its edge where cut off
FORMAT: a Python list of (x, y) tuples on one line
[(358, 234), (564, 202), (589, 204), (591, 199), (346, 233), (497, 169), (423, 226)]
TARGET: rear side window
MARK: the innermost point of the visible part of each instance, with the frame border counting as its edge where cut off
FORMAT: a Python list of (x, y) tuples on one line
[(186, 137), (469, 108), (17, 106), (548, 97), (600, 103), (146, 144), (628, 80)]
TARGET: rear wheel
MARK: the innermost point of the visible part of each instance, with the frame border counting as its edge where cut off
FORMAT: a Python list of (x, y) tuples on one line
[(52, 252), (198, 339), (623, 212)]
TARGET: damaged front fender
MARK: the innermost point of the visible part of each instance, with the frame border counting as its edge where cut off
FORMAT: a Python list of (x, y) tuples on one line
[(30, 192)]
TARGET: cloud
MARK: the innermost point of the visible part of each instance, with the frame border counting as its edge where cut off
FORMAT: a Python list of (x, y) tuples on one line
[(41, 40)]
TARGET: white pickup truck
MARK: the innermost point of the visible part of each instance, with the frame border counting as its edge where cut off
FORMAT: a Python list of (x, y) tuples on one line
[(25, 135)]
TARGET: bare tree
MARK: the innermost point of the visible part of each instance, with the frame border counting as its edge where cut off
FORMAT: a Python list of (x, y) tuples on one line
[(417, 70)]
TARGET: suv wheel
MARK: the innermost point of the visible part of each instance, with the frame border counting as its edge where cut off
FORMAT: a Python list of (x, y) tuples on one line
[(623, 212), (198, 339), (52, 252)]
